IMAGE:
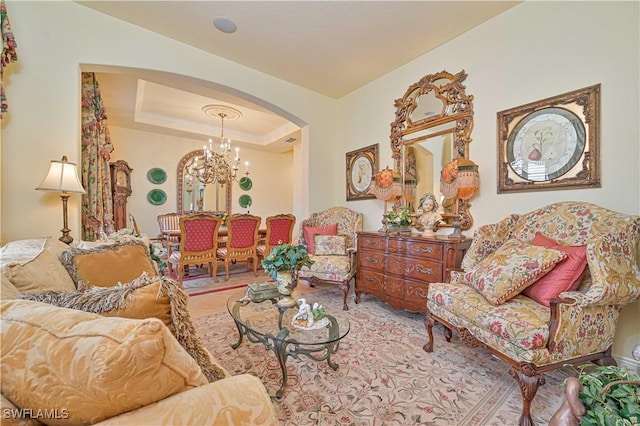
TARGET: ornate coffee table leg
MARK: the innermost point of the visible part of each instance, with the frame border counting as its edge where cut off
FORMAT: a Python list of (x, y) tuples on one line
[(240, 333), (332, 348), (280, 348)]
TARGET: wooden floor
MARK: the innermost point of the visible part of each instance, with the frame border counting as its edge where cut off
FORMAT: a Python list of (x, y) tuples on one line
[(213, 303)]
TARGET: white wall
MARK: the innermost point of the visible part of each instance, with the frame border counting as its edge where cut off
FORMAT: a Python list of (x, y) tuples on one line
[(533, 51), (271, 174), (55, 40)]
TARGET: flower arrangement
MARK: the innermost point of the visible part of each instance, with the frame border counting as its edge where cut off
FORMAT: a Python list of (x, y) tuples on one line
[(399, 217), (286, 257)]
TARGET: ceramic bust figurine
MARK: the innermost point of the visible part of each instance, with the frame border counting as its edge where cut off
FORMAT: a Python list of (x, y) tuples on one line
[(430, 216)]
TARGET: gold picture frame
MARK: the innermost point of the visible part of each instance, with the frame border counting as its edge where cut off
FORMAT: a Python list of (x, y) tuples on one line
[(362, 165), (551, 144)]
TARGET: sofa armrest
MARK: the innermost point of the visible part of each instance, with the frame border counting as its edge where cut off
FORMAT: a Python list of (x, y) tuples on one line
[(235, 400), (576, 330)]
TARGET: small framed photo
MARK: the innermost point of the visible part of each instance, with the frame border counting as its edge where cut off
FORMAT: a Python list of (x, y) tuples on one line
[(551, 144), (362, 165)]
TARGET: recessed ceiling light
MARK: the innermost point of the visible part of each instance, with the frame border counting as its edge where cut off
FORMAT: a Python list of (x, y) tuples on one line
[(224, 24)]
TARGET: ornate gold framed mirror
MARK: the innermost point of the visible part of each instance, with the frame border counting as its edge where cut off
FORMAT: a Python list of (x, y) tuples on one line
[(431, 133), (193, 195)]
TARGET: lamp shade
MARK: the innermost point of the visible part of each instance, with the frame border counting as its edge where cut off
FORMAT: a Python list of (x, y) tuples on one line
[(468, 180), (62, 176)]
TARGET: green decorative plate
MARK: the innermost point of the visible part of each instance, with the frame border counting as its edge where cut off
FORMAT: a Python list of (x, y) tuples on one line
[(245, 183), (245, 201), (157, 197), (157, 175)]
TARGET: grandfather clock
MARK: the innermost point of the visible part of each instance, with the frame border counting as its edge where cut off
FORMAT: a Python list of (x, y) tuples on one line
[(121, 190)]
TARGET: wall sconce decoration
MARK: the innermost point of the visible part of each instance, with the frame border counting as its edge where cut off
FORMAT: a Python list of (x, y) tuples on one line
[(63, 177)]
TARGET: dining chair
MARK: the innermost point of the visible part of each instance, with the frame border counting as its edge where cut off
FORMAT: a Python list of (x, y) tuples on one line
[(242, 241), (279, 231), (198, 244)]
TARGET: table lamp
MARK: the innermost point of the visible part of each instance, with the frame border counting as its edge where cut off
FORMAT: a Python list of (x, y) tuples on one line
[(63, 177)]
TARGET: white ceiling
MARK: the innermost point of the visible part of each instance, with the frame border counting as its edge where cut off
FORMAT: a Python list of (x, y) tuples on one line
[(331, 47)]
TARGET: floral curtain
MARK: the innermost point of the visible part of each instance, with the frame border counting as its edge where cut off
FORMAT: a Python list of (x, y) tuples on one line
[(97, 205), (9, 53)]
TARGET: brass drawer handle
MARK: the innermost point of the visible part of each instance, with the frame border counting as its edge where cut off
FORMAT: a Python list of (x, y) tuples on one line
[(420, 269), (373, 243), (424, 249), (371, 259)]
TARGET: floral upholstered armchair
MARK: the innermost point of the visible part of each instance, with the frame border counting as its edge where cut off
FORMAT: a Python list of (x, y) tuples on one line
[(331, 237), (570, 268)]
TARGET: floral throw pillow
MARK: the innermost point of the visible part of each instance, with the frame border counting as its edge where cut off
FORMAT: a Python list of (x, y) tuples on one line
[(510, 269), (330, 245)]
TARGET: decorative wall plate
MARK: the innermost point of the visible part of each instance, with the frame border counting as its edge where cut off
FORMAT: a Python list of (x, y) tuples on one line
[(157, 197), (245, 201), (245, 183), (157, 175), (362, 165)]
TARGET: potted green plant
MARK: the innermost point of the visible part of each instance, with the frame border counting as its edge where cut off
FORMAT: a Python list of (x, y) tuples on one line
[(602, 395), (282, 265), (397, 220)]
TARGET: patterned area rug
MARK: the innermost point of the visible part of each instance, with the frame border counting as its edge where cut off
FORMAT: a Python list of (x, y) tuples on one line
[(200, 282), (384, 376)]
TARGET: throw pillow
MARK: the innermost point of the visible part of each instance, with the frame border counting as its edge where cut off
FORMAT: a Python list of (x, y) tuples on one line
[(94, 367), (42, 272), (330, 245), (510, 269), (564, 277), (108, 265), (310, 231), (145, 297)]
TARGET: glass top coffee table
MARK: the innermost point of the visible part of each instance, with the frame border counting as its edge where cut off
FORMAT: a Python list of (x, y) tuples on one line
[(269, 324)]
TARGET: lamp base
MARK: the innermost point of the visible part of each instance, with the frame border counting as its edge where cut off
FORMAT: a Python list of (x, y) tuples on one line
[(66, 238), (457, 232)]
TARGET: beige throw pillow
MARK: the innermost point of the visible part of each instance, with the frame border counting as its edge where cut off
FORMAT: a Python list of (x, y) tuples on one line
[(108, 265), (94, 367), (43, 273), (145, 297), (510, 269)]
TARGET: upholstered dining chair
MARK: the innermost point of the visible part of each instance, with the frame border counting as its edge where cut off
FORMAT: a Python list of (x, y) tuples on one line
[(169, 224), (279, 231), (242, 241), (198, 244)]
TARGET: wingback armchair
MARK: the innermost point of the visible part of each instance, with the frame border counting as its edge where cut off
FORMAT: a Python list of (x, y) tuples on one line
[(534, 329), (334, 256)]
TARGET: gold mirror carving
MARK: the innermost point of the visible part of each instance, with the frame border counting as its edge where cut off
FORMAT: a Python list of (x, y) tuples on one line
[(193, 195), (435, 116)]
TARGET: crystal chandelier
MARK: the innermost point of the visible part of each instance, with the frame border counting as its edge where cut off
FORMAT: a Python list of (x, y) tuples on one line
[(218, 167)]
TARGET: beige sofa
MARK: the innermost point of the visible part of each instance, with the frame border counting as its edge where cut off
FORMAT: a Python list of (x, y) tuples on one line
[(77, 349)]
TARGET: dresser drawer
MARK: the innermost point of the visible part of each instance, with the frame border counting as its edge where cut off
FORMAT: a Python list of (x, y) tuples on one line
[(396, 246), (395, 265), (368, 242), (369, 280), (424, 249), (371, 259), (415, 294), (422, 270), (394, 287)]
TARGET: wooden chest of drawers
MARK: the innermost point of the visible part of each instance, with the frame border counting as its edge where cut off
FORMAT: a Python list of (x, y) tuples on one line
[(397, 268)]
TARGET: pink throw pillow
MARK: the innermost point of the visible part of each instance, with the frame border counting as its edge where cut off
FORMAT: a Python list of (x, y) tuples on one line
[(564, 277), (310, 231)]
